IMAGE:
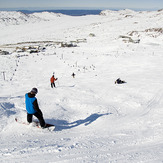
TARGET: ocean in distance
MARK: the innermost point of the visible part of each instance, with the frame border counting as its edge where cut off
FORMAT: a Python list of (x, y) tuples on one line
[(66, 12)]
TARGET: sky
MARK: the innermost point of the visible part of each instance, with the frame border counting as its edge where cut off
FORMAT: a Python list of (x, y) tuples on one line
[(99, 4)]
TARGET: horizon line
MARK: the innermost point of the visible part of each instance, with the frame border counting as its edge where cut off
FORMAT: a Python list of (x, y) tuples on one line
[(77, 8)]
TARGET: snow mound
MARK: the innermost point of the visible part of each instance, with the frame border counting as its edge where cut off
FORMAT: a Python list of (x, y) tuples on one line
[(17, 18), (121, 12), (47, 15)]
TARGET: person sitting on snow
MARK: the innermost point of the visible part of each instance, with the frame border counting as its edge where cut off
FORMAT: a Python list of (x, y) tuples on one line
[(119, 81)]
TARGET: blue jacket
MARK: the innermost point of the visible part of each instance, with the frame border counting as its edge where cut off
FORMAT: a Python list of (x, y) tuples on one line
[(29, 104)]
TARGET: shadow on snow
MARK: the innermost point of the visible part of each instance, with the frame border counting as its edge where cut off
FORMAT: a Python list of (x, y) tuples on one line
[(6, 109), (63, 124)]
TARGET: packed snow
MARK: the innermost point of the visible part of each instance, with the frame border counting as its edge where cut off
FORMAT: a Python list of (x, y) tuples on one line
[(96, 120)]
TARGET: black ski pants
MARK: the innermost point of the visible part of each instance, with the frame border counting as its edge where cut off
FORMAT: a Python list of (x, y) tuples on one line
[(52, 85), (39, 117)]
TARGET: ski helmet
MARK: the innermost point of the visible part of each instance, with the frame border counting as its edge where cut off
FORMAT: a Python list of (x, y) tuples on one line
[(34, 90)]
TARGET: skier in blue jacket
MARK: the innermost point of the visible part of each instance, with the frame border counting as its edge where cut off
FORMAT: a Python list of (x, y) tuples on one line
[(33, 108)]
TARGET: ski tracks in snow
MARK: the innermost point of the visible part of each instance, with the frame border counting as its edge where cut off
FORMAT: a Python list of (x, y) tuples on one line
[(154, 103)]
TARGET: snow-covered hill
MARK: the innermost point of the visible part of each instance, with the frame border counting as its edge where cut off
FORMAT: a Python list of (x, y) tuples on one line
[(96, 120), (17, 18)]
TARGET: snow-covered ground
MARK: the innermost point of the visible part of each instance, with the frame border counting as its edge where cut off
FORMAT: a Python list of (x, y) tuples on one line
[(96, 120)]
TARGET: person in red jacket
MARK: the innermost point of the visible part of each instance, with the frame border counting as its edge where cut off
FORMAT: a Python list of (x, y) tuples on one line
[(52, 80)]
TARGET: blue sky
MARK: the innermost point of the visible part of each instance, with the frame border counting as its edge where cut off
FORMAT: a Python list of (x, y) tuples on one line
[(99, 4)]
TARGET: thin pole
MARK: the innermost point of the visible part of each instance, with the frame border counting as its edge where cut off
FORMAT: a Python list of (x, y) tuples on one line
[(3, 74)]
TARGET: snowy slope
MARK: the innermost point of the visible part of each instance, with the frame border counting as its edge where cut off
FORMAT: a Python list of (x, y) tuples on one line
[(96, 120), (16, 18)]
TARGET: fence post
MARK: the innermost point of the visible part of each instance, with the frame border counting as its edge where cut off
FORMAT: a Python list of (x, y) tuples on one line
[(3, 74)]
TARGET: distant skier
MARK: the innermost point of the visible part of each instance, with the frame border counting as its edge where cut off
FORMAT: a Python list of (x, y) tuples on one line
[(52, 80), (33, 108), (73, 75), (119, 81)]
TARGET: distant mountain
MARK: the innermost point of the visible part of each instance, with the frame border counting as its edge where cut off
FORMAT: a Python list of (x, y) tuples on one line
[(16, 18)]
